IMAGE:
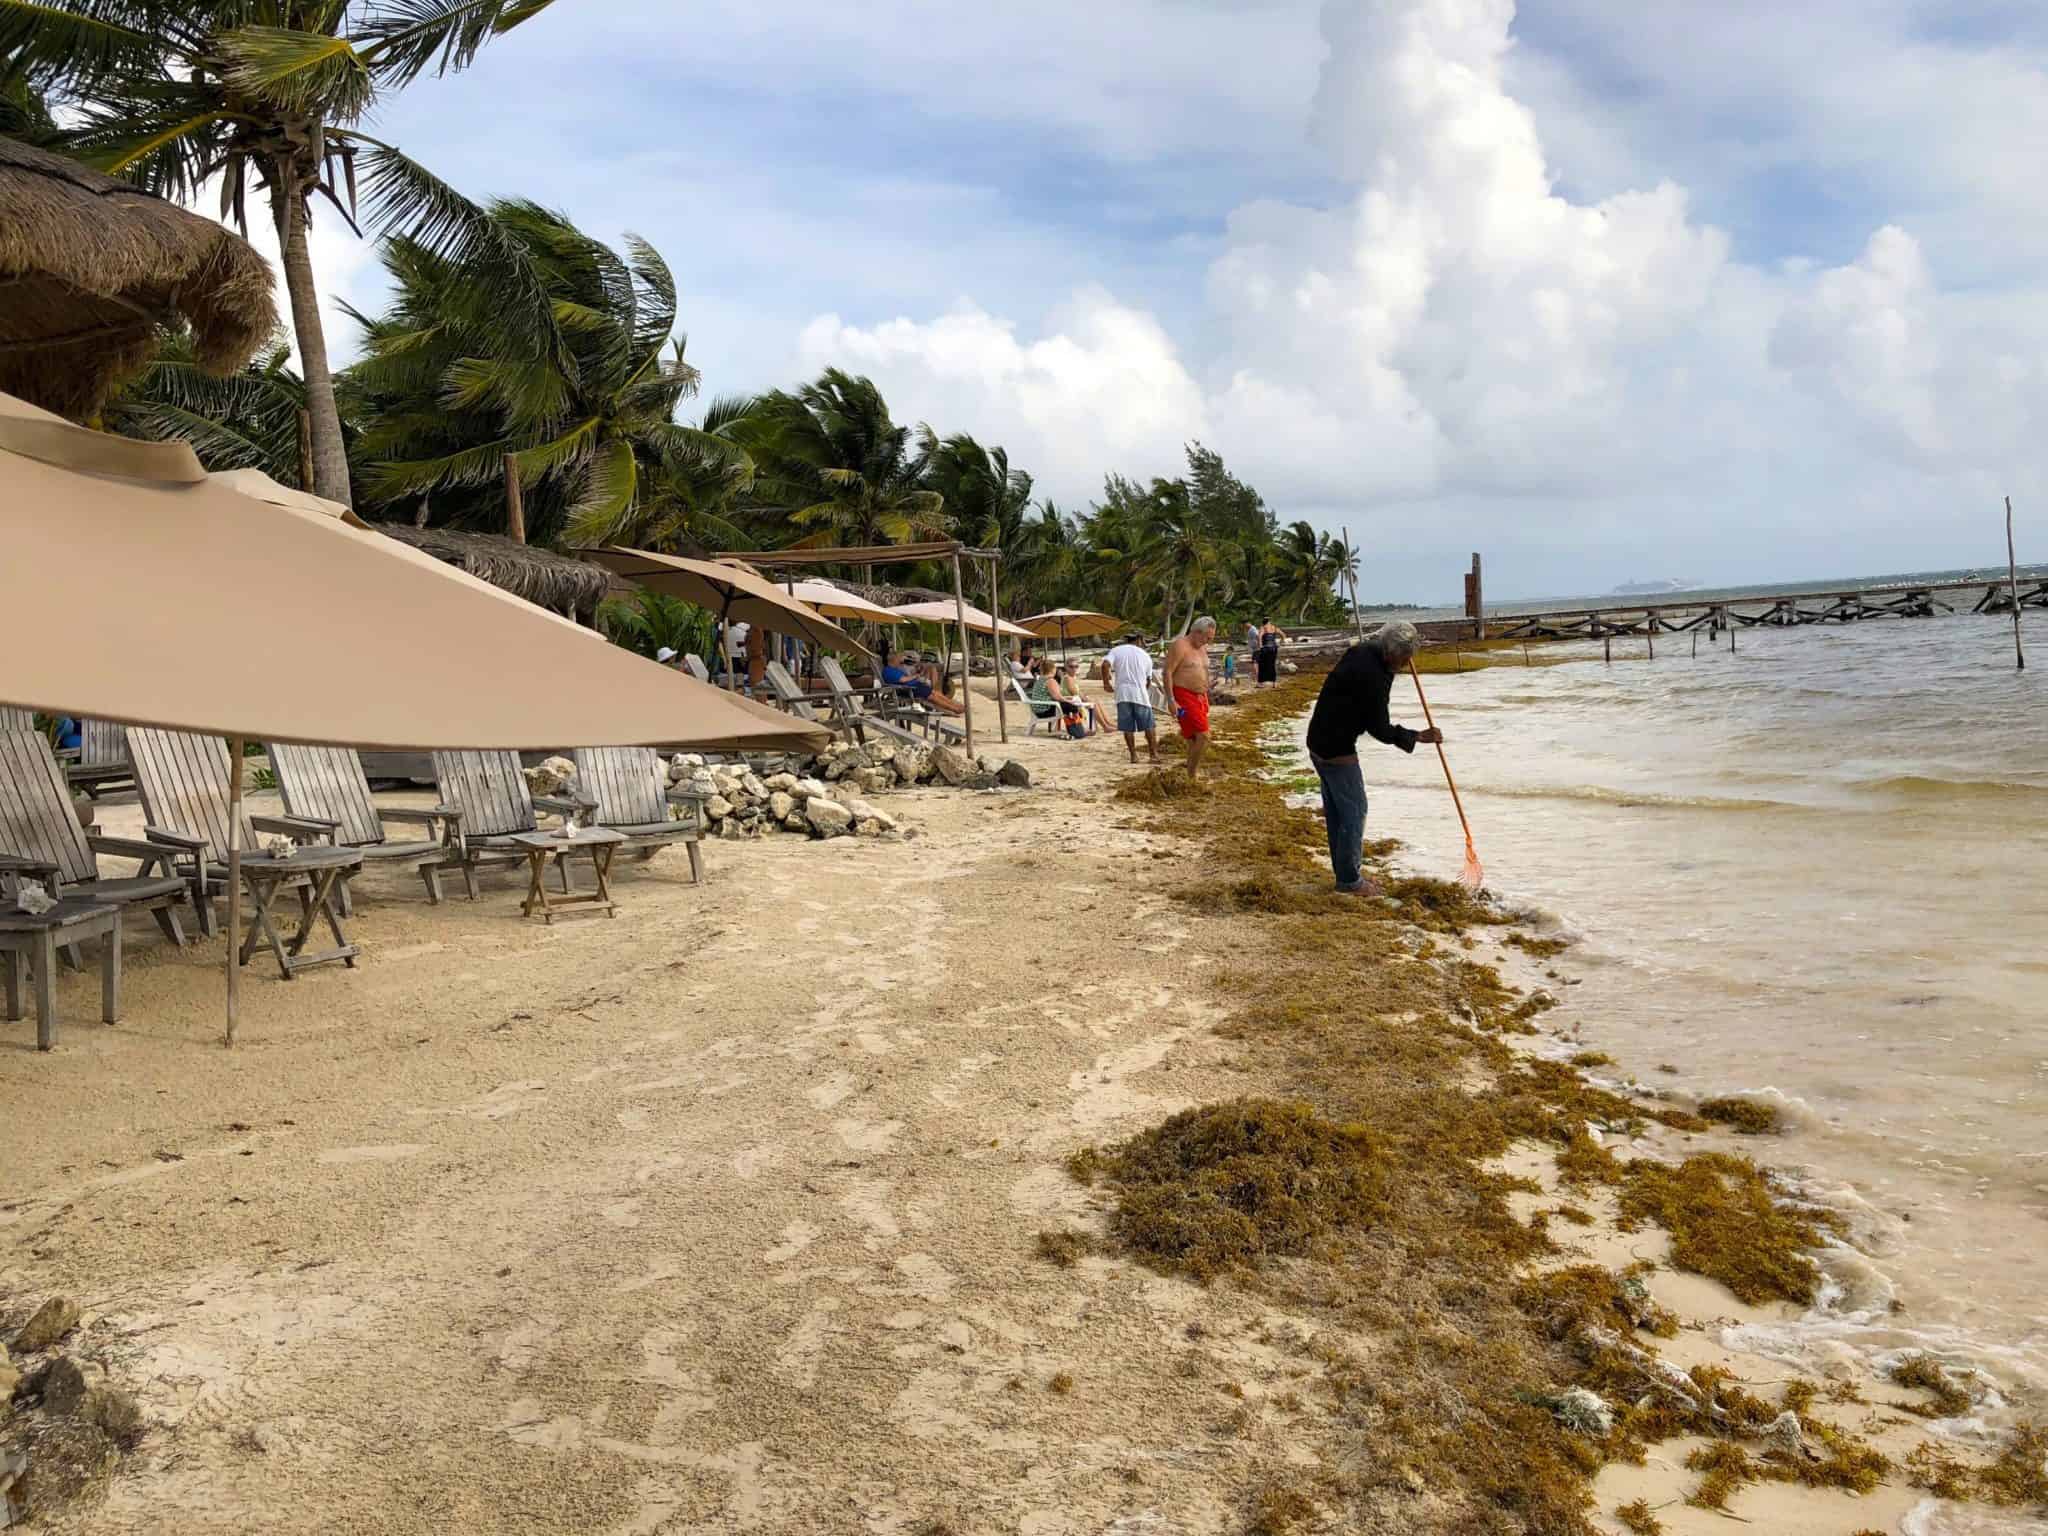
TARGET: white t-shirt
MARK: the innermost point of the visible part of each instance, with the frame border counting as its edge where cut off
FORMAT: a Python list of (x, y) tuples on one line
[(736, 641), (1130, 669)]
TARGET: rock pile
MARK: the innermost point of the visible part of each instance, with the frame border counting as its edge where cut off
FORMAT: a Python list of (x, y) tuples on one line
[(823, 796), (62, 1424)]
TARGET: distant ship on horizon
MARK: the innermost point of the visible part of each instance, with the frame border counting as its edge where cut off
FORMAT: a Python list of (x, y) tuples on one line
[(1652, 588)]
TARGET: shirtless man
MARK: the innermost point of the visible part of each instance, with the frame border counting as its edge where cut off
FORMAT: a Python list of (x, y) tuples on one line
[(1187, 674)]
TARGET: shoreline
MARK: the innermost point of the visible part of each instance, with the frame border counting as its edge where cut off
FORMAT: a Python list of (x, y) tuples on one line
[(726, 1213)]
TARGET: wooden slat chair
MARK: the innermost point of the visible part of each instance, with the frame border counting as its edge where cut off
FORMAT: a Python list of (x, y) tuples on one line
[(183, 780), (327, 785), (102, 761), (13, 719), (890, 708), (39, 832), (694, 665), (487, 801), (630, 788), (791, 699)]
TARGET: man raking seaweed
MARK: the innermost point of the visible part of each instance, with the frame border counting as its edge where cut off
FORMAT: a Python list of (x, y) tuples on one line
[(1354, 702)]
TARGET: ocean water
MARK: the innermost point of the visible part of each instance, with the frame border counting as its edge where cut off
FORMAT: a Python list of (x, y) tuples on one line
[(1812, 869)]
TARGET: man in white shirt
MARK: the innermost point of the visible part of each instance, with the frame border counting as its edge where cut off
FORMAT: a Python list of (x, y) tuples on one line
[(1127, 671)]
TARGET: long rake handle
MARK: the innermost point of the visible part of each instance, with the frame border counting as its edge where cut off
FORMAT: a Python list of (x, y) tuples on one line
[(1430, 720)]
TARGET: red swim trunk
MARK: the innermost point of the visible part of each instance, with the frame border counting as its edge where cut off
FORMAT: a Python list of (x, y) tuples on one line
[(1192, 709)]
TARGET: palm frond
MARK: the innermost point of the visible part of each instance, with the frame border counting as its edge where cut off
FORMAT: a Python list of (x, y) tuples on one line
[(306, 73), (609, 486), (405, 38)]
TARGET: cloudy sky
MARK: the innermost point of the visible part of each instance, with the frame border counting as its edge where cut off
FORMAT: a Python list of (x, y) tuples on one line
[(1754, 294)]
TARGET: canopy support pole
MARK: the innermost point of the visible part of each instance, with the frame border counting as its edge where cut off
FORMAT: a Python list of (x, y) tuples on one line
[(1002, 652), (725, 643), (234, 883), (966, 655)]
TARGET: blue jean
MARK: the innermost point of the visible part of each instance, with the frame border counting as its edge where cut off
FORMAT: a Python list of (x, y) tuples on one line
[(1344, 819)]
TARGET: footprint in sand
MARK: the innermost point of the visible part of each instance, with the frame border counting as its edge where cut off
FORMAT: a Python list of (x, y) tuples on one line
[(796, 1237), (527, 1423), (866, 1136), (505, 1099), (831, 1093), (868, 1203), (381, 1154), (622, 1213), (800, 1357), (521, 1346), (749, 1161)]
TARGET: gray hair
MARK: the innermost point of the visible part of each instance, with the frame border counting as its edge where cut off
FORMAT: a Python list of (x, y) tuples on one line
[(1205, 622), (1397, 641)]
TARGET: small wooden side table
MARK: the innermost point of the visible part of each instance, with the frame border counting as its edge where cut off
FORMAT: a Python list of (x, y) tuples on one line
[(34, 938), (315, 871), (539, 847)]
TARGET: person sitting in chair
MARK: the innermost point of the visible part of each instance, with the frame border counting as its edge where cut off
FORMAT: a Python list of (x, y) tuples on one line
[(920, 681), (1045, 690)]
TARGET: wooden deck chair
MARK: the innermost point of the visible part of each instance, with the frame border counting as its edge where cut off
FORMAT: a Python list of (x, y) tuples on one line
[(694, 665), (183, 780), (102, 762), (13, 720), (327, 785), (793, 700), (886, 719), (487, 801), (629, 786), (39, 832)]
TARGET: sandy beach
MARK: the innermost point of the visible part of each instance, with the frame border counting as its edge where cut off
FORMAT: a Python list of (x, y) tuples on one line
[(723, 1215)]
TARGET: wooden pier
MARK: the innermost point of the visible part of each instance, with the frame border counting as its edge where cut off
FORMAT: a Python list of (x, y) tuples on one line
[(1778, 609)]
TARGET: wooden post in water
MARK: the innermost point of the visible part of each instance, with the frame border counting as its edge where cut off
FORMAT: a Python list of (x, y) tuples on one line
[(1652, 633), (2012, 572), (1607, 648)]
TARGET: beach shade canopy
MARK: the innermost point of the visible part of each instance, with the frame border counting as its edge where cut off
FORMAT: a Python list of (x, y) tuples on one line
[(947, 612), (732, 593), (1071, 624), (835, 602), (138, 588), (90, 268)]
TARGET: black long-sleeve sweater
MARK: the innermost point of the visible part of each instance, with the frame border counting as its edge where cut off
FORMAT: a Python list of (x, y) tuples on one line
[(1354, 703)]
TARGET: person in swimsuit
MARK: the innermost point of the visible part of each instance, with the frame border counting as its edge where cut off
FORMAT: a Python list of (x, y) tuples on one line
[(1268, 655), (1187, 674)]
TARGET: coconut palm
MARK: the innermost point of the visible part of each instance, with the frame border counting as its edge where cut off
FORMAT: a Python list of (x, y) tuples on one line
[(833, 467), (270, 93), (586, 419), (249, 419), (986, 500)]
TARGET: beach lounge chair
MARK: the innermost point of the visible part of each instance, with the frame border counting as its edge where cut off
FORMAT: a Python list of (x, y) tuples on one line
[(897, 713), (793, 700), (183, 779), (326, 785), (630, 788), (694, 665), (487, 801), (1038, 711), (40, 834), (102, 761), (13, 719)]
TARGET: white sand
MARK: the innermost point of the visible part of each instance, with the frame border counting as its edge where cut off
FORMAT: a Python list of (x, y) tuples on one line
[(715, 1217)]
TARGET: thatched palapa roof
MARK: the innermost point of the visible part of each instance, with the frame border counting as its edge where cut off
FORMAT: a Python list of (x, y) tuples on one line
[(539, 575), (90, 266)]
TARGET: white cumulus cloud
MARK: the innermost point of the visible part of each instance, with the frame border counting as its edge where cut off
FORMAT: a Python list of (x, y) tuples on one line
[(1455, 327)]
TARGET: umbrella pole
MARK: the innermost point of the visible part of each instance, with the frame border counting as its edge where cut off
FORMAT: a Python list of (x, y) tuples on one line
[(995, 612), (725, 644), (966, 655), (234, 882)]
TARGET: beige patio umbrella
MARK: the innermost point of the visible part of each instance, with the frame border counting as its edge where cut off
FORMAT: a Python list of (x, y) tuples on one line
[(978, 619), (736, 593), (137, 588), (835, 602), (1069, 622)]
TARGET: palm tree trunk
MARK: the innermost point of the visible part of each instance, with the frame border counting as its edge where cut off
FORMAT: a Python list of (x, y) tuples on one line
[(330, 458)]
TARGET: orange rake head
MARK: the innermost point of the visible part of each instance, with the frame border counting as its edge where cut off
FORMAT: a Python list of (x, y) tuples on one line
[(1473, 876)]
